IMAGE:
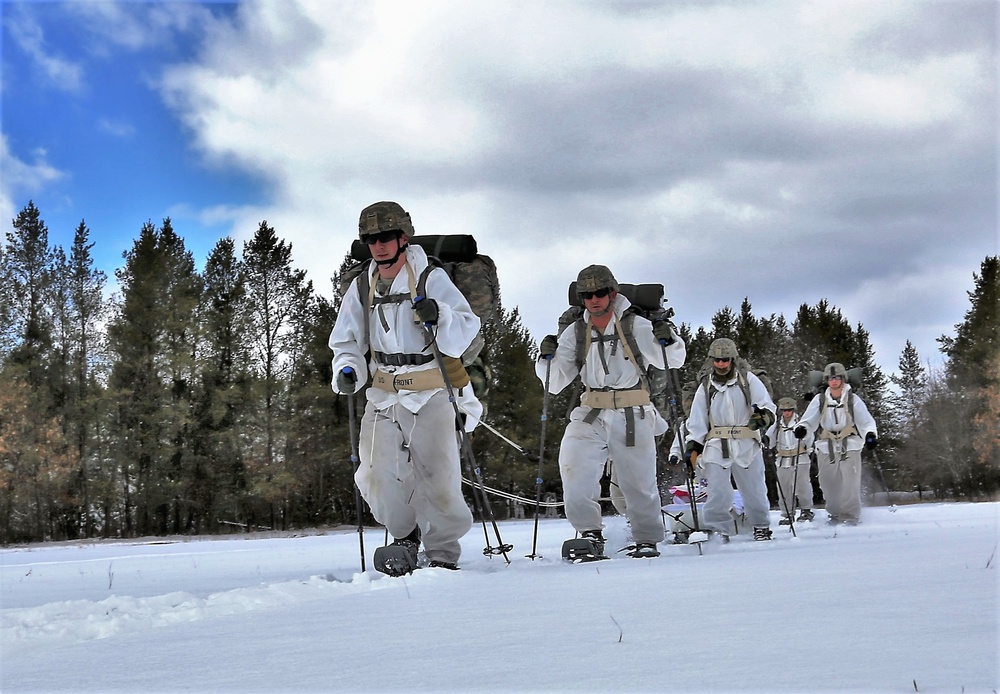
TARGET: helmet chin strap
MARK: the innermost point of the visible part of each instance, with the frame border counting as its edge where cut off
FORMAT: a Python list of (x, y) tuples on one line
[(401, 248)]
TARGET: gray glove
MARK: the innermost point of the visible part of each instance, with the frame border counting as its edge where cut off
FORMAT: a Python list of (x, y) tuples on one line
[(663, 333), (426, 310), (347, 381), (547, 349)]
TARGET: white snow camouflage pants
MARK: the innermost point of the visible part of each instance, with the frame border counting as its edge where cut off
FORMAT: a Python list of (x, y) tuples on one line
[(410, 474), (787, 477), (840, 480), (753, 490), (585, 449)]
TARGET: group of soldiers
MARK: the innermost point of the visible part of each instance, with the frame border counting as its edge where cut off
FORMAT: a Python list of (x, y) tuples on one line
[(410, 346)]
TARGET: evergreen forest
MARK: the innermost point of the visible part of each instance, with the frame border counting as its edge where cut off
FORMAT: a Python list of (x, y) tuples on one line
[(198, 400)]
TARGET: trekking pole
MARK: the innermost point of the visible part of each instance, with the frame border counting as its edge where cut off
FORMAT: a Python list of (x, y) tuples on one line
[(466, 448), (356, 462), (530, 455), (878, 468), (696, 535), (541, 457)]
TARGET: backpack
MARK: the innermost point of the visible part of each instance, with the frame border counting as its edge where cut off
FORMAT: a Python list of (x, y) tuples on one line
[(817, 385), (646, 301), (743, 368), (474, 274)]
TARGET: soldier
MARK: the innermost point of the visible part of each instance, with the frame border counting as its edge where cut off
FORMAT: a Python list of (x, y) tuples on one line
[(409, 473), (616, 418), (792, 458), (842, 424), (730, 412)]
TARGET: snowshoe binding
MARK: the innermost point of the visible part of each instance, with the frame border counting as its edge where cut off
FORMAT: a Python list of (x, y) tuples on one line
[(400, 557), (805, 515), (641, 550), (588, 547), (761, 534), (786, 520)]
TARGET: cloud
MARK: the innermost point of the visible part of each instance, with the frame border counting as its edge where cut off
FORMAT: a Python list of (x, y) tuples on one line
[(26, 33), (22, 178), (781, 151)]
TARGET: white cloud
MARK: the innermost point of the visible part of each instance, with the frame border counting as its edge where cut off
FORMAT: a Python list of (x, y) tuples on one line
[(727, 150), (22, 178), (57, 71)]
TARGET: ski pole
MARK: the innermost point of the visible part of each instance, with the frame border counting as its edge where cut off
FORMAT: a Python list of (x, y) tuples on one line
[(530, 455), (466, 448), (878, 468), (541, 457), (677, 425), (356, 461)]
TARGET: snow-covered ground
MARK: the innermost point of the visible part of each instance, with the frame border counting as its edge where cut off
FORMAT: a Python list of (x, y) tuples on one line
[(907, 601)]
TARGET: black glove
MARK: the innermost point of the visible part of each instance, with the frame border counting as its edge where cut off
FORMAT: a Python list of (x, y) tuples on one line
[(871, 440), (426, 310), (347, 380), (547, 349), (673, 460), (663, 333), (800, 432), (694, 449)]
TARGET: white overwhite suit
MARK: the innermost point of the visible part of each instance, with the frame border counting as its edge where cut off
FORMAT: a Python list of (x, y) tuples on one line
[(592, 437), (742, 458), (410, 465)]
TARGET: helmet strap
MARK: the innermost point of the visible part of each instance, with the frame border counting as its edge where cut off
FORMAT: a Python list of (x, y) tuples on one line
[(401, 248)]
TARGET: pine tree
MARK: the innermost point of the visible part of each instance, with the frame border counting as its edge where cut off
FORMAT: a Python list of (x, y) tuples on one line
[(87, 365), (276, 292), (222, 403), (977, 339)]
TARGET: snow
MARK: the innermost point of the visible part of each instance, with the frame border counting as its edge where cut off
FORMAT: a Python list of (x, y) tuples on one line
[(907, 601)]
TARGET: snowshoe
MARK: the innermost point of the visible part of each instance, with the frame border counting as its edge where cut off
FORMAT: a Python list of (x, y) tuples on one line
[(397, 559), (805, 514), (588, 547), (761, 534), (696, 537), (787, 520), (438, 564), (641, 550)]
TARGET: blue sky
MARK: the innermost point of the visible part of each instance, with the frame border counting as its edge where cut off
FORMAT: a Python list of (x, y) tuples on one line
[(785, 152), (81, 108)]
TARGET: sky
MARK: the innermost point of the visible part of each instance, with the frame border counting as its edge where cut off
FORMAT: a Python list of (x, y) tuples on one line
[(779, 152), (907, 601)]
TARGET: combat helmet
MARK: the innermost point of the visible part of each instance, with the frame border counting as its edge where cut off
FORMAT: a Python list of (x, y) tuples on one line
[(595, 277), (723, 348), (834, 369), (384, 216), (786, 404)]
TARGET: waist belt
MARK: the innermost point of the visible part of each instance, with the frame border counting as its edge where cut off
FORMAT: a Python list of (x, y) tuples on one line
[(397, 359), (413, 380), (789, 452), (599, 400), (427, 379), (838, 435), (734, 432), (743, 432), (615, 399)]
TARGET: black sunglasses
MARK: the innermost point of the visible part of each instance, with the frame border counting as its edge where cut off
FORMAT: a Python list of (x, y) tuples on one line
[(721, 360), (600, 294), (383, 237)]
